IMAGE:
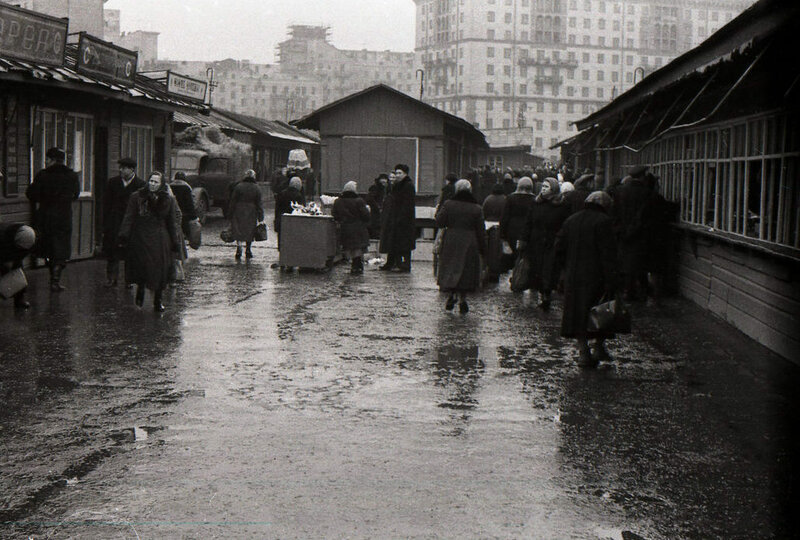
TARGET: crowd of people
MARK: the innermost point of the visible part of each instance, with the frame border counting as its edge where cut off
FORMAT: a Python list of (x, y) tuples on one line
[(581, 238)]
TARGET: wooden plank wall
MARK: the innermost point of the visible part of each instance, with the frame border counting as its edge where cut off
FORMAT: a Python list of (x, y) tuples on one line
[(757, 294)]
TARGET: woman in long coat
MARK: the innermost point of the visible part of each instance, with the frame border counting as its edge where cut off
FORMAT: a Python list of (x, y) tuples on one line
[(245, 211), (515, 214), (352, 214), (587, 248), (374, 199), (463, 245), (150, 231), (545, 218)]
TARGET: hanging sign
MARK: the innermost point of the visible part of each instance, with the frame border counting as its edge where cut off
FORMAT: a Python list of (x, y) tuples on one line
[(186, 87), (106, 60), (31, 36)]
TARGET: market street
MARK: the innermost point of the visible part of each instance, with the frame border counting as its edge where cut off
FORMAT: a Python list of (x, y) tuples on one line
[(264, 404)]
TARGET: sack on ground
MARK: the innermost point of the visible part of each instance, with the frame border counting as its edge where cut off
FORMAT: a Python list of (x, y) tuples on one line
[(612, 316), (521, 274), (226, 235), (12, 282), (260, 234), (195, 234)]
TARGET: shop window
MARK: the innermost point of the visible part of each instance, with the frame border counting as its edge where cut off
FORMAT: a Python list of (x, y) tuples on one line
[(137, 142), (71, 132)]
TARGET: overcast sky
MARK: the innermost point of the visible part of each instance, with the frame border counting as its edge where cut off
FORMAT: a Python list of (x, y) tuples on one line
[(250, 29)]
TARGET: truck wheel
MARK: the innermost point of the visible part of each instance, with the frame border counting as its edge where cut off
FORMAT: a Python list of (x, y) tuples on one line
[(201, 206)]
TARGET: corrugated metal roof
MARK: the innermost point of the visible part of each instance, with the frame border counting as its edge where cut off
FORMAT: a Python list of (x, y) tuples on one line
[(211, 119), (144, 88), (273, 128)]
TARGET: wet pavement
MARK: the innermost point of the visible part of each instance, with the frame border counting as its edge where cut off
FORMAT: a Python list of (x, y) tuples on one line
[(265, 404)]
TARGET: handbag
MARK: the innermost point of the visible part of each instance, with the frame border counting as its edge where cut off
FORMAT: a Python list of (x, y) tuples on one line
[(12, 282), (612, 316), (195, 235), (520, 276), (260, 234), (226, 235)]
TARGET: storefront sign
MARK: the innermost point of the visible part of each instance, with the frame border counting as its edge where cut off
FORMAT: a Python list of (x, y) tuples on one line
[(102, 59), (186, 87), (30, 36)]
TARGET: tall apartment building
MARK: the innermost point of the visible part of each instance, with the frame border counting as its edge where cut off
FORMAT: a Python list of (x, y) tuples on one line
[(534, 66), (83, 15), (308, 52)]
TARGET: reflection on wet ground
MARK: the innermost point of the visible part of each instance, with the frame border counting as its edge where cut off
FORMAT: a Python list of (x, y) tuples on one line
[(270, 404)]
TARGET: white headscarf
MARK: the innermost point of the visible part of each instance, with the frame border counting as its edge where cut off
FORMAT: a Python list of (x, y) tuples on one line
[(350, 186), (463, 185)]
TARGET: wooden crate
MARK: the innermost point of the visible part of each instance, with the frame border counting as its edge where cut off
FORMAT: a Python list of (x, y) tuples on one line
[(308, 241)]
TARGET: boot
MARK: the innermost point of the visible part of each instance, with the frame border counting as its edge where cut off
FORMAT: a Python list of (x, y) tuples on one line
[(139, 301), (238, 255), (599, 353), (55, 278), (357, 266), (389, 263), (20, 302), (247, 253), (451, 302), (158, 307), (586, 360), (463, 308), (544, 301)]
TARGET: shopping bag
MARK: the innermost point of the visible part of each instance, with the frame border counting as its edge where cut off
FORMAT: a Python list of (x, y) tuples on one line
[(612, 316), (520, 276), (12, 282), (226, 235), (195, 234), (260, 234)]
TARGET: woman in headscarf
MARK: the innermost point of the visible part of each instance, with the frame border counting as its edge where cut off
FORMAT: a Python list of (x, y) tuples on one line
[(463, 245), (515, 214), (284, 200), (586, 246), (150, 231), (16, 242), (245, 212), (352, 214), (545, 218)]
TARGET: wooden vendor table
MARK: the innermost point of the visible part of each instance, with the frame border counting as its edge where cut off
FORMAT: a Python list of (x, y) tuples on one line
[(308, 241)]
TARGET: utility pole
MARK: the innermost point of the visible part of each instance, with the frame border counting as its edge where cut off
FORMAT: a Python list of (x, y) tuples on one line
[(421, 77)]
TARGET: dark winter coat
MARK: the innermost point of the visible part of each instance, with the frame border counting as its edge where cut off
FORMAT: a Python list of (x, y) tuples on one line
[(53, 189), (183, 195), (245, 210), (283, 204), (514, 217), (544, 221), (628, 214), (115, 203), (398, 230), (493, 207), (352, 214), (658, 214), (574, 200), (447, 193), (374, 200), (463, 244), (585, 247), (150, 231)]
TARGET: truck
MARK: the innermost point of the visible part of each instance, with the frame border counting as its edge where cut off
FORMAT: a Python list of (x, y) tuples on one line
[(210, 176)]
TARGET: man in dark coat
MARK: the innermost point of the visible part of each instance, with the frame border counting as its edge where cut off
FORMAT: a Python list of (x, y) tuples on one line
[(630, 198), (374, 199), (284, 200), (16, 242), (115, 201), (398, 234), (586, 248), (53, 189)]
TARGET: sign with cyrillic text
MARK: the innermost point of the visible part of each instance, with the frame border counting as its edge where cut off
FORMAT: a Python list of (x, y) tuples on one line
[(186, 87), (31, 36), (106, 60)]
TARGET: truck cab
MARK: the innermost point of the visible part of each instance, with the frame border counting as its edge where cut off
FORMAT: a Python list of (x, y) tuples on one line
[(210, 177)]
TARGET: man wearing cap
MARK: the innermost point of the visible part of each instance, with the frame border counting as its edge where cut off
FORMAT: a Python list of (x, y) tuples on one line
[(52, 191), (398, 230), (115, 202), (16, 242)]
